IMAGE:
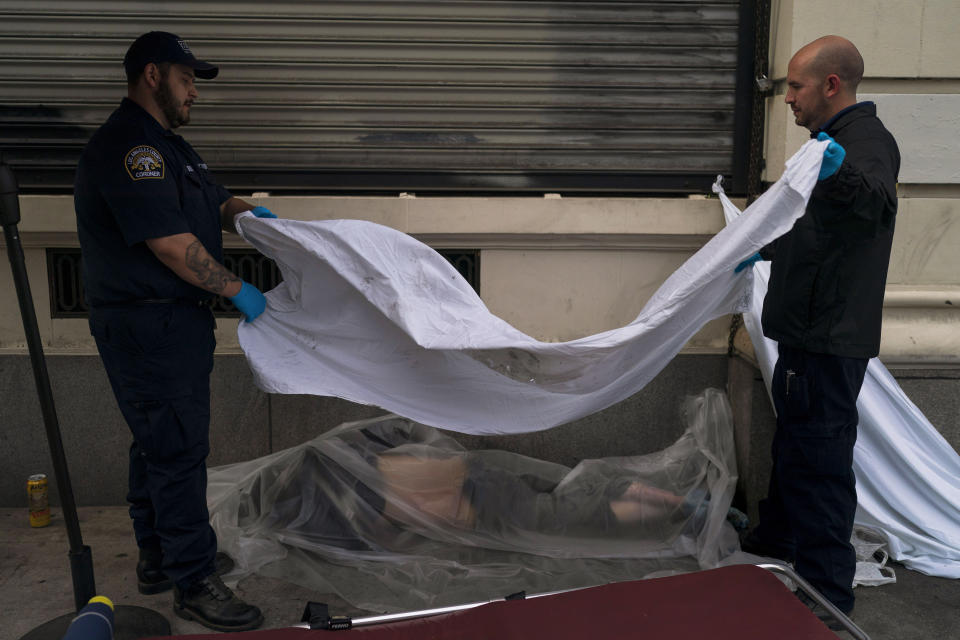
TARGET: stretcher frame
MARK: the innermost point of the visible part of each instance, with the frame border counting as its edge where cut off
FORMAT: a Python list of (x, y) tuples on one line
[(848, 625), (316, 617)]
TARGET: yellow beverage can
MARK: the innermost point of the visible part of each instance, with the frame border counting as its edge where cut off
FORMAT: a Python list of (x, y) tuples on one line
[(39, 503)]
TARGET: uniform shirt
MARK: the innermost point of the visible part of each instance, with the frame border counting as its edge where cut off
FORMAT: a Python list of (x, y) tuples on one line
[(135, 181)]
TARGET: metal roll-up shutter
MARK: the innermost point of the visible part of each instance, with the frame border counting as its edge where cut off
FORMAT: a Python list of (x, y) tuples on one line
[(371, 95)]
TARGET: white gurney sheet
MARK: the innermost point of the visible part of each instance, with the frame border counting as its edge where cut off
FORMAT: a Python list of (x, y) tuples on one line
[(908, 475), (369, 314)]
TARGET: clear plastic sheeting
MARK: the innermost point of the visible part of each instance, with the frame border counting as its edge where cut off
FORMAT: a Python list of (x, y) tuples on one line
[(908, 475), (369, 314), (393, 515)]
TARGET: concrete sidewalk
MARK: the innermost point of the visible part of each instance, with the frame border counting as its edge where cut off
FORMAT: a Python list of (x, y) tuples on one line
[(35, 584)]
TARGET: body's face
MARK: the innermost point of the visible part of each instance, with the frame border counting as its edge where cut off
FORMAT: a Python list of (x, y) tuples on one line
[(806, 94), (175, 95)]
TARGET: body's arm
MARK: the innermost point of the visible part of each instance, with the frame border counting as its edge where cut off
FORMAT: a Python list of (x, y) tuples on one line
[(185, 255), (862, 192), (229, 209)]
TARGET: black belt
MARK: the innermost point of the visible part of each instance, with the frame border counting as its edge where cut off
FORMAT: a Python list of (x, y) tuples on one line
[(148, 302)]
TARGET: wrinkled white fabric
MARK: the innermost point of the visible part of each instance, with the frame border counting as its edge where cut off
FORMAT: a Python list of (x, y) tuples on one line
[(872, 555), (908, 475), (369, 314)]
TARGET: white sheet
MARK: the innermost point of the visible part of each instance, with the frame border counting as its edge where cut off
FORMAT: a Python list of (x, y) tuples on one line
[(908, 476), (369, 314)]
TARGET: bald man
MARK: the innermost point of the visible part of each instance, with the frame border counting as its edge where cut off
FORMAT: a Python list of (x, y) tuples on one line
[(823, 307)]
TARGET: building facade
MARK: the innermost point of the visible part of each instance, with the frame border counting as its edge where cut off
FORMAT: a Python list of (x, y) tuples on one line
[(566, 148)]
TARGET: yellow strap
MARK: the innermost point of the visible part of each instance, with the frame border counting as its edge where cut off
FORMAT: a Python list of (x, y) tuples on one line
[(103, 599)]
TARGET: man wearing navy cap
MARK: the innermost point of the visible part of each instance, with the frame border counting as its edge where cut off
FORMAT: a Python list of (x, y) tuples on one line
[(149, 218)]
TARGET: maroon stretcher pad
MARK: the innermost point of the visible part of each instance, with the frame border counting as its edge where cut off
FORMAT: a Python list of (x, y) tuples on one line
[(741, 602)]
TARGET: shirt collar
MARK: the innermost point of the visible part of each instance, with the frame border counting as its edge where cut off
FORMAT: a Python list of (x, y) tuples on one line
[(133, 109), (829, 123)]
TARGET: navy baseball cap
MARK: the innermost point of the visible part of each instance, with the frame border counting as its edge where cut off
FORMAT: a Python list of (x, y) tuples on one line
[(160, 46)]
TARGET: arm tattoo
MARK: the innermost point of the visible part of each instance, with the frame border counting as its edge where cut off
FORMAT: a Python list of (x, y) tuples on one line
[(208, 271)]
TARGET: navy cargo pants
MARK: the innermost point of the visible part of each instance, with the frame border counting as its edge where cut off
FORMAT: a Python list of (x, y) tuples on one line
[(158, 358), (809, 510)]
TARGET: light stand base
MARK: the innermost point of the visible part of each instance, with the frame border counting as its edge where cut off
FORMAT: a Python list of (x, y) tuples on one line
[(129, 623)]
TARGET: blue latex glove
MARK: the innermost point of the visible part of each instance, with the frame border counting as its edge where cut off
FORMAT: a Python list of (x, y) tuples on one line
[(833, 157), (249, 301), (263, 212), (749, 261)]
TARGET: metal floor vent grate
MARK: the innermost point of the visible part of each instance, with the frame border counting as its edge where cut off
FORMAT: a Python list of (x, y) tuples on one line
[(66, 282)]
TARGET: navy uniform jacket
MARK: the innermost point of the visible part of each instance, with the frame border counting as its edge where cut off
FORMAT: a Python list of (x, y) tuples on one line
[(135, 181), (828, 273)]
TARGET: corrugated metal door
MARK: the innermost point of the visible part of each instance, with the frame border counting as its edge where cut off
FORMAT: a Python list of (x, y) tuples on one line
[(364, 95)]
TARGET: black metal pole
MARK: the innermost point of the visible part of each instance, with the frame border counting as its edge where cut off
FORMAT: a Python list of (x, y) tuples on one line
[(130, 622), (81, 560)]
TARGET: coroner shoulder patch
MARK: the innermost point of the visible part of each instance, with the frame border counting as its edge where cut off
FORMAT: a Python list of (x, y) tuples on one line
[(143, 162)]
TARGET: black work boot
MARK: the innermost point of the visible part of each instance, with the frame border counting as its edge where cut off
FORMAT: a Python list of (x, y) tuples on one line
[(212, 604), (151, 579), (827, 618), (753, 543)]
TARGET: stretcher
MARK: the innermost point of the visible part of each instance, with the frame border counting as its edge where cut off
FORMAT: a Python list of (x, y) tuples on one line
[(740, 602)]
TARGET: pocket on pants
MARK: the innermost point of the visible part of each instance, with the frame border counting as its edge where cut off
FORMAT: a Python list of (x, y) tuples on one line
[(797, 394), (824, 455), (174, 429)]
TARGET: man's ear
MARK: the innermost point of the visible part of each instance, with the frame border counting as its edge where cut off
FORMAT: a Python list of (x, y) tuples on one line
[(151, 74), (831, 85)]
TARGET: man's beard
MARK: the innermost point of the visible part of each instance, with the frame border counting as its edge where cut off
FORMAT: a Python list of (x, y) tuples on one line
[(170, 107)]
